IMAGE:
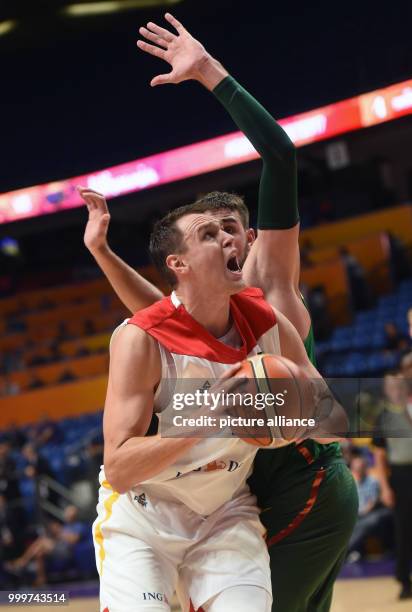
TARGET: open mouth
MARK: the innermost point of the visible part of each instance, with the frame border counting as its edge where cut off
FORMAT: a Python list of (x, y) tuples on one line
[(233, 265)]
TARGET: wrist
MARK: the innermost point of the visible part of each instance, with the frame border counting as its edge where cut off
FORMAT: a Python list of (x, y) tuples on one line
[(210, 72), (100, 250)]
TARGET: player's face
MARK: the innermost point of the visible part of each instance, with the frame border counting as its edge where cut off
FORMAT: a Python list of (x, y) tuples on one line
[(232, 224), (210, 256)]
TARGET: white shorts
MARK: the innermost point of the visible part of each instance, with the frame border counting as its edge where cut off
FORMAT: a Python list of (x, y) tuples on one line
[(145, 548)]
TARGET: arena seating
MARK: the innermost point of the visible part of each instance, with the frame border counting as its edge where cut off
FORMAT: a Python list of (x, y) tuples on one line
[(357, 349)]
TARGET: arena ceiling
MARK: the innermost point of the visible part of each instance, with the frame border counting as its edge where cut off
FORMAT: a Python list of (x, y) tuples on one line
[(75, 90), (25, 20)]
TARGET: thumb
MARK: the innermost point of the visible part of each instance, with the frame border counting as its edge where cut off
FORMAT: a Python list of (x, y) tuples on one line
[(162, 79)]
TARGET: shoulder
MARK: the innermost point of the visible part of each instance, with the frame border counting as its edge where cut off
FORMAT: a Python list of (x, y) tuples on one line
[(252, 301), (132, 343), (154, 315), (131, 336)]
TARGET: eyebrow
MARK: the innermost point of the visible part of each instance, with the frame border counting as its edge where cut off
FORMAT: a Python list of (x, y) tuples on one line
[(208, 225), (229, 218)]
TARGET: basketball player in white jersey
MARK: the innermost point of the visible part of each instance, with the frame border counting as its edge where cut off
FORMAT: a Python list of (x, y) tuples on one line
[(172, 508)]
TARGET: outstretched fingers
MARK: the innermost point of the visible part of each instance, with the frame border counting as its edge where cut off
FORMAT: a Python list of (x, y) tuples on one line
[(175, 23), (153, 37), (93, 199), (151, 49), (161, 32)]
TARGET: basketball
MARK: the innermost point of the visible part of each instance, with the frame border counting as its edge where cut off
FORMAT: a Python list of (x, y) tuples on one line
[(282, 397)]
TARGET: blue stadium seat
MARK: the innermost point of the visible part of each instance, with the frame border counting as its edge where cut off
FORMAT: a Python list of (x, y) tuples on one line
[(354, 364), (362, 340), (84, 558), (388, 300), (365, 315), (378, 340), (27, 488)]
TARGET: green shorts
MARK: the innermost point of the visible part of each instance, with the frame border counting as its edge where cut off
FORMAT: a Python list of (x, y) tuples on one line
[(313, 512)]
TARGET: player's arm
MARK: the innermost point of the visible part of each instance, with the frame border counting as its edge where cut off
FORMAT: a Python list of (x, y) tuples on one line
[(132, 289), (331, 419), (274, 261), (135, 370), (382, 472), (275, 254)]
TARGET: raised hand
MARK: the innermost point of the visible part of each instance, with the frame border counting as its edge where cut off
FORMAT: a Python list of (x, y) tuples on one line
[(186, 55), (95, 233)]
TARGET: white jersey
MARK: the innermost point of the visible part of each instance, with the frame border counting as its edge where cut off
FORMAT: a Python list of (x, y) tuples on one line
[(215, 470), (195, 523)]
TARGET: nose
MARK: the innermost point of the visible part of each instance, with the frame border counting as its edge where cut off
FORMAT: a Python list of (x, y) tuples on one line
[(227, 240)]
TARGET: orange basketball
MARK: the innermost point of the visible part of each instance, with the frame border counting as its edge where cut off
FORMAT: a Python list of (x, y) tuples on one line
[(282, 397)]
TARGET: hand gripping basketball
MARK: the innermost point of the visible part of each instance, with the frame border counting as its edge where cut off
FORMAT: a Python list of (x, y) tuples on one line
[(279, 395)]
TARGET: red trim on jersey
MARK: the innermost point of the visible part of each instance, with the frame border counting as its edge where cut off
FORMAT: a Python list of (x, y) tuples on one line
[(310, 502), (181, 334), (305, 452)]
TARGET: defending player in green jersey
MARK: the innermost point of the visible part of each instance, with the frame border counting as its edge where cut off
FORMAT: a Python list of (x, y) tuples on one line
[(306, 492)]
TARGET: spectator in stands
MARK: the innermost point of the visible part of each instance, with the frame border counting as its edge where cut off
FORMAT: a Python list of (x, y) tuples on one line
[(318, 306), (12, 361), (93, 460), (55, 353), (84, 468), (83, 351), (56, 546), (10, 387), (347, 450), (400, 266), (36, 467), (395, 339), (46, 431), (393, 457), (37, 359), (35, 382), (15, 325), (35, 464), (11, 530), (305, 254), (89, 328), (357, 280), (409, 316), (66, 376), (9, 486), (63, 333), (15, 436), (406, 370), (372, 515), (94, 455)]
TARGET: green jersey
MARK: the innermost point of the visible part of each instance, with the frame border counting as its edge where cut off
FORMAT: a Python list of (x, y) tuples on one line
[(273, 468)]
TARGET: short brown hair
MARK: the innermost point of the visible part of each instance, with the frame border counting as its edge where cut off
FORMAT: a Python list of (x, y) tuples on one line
[(218, 200), (166, 238)]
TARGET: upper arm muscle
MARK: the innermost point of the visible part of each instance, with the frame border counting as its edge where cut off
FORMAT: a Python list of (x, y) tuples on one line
[(133, 374), (292, 346), (276, 255)]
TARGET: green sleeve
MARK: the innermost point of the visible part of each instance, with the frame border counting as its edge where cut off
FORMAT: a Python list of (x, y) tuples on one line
[(278, 185)]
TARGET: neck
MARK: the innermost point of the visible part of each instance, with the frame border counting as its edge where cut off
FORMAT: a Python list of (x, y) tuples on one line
[(212, 314)]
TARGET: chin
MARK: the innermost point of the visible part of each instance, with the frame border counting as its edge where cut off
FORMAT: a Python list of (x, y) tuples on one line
[(237, 286)]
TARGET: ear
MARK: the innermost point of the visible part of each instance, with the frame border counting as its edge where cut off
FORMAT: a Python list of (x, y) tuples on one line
[(251, 236), (176, 264)]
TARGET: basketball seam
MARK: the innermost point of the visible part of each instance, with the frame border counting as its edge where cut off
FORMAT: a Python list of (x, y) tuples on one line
[(294, 381)]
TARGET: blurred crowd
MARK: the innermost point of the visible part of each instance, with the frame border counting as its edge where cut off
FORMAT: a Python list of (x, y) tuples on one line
[(382, 469), (46, 508)]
